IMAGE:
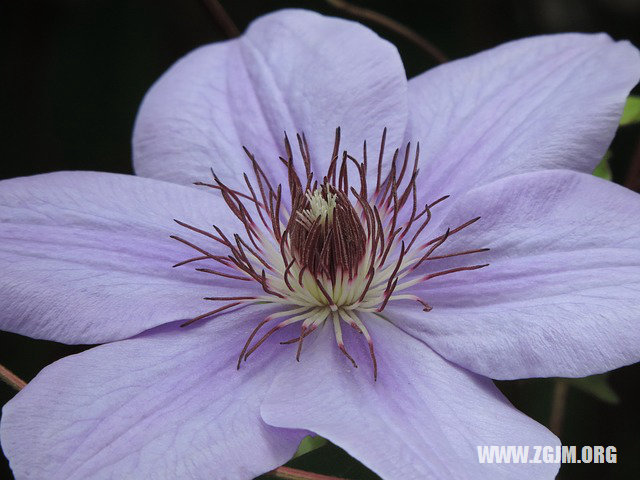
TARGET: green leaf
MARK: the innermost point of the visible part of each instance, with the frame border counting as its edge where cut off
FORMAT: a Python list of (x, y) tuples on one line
[(631, 113), (598, 386), (603, 170), (309, 443)]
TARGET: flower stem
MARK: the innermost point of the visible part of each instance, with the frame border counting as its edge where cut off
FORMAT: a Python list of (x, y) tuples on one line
[(558, 404), (393, 25), (11, 378), (286, 473), (222, 18)]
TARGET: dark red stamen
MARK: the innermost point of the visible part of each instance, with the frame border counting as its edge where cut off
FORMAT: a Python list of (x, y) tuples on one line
[(211, 313), (327, 235)]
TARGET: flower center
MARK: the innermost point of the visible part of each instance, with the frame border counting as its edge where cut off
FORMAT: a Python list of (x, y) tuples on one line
[(326, 251), (327, 237)]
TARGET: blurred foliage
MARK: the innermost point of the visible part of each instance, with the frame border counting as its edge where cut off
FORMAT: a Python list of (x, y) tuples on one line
[(598, 386), (603, 170), (631, 113), (310, 443)]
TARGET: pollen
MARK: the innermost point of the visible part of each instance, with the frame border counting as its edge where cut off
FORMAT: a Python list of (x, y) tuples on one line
[(331, 250)]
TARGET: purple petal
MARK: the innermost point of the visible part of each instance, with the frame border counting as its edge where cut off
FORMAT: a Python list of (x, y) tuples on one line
[(293, 71), (561, 295), (86, 257), (167, 404), (540, 103), (423, 418)]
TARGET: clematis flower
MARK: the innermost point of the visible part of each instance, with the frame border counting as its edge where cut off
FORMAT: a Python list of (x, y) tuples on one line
[(365, 292)]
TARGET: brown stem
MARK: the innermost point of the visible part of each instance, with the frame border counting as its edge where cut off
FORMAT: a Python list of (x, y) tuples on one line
[(11, 378), (287, 473), (558, 405), (391, 24), (633, 174), (222, 18)]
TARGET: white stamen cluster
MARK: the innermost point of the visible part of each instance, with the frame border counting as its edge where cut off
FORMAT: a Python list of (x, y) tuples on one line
[(320, 209)]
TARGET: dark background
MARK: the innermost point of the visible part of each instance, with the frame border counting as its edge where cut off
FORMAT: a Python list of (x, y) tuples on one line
[(73, 73)]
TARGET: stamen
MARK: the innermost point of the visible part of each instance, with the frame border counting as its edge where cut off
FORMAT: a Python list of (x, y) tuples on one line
[(451, 232), (211, 313), (427, 307), (345, 246), (258, 205), (338, 332), (228, 298), (222, 274), (297, 339), (432, 249), (365, 332), (217, 187), (280, 326), (194, 259), (467, 252), (453, 270), (382, 142), (248, 342)]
